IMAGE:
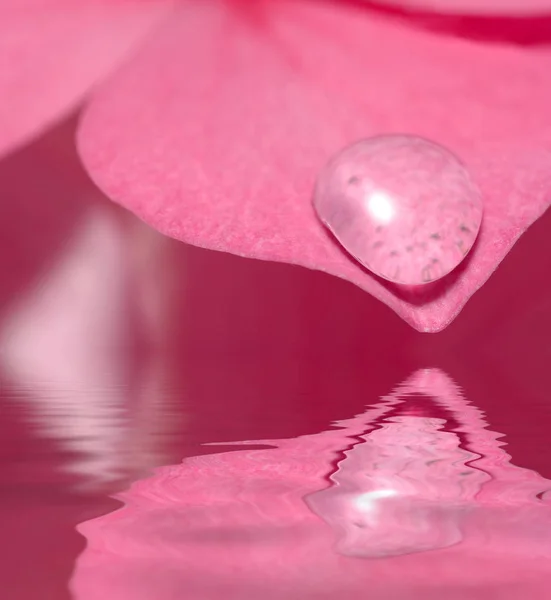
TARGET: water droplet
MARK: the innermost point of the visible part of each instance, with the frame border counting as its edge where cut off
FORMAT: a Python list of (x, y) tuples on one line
[(413, 208)]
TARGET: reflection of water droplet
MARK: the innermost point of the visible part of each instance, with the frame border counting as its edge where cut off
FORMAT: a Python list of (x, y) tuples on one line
[(413, 501), (406, 480), (410, 197), (446, 488)]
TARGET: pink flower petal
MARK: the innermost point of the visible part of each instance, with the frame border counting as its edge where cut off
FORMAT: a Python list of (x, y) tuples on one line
[(477, 7), (52, 51), (216, 133)]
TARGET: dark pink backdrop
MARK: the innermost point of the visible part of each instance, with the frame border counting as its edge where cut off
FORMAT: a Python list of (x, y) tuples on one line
[(169, 347)]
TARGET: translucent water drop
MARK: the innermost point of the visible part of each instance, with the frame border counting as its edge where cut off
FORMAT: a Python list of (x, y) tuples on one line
[(404, 207)]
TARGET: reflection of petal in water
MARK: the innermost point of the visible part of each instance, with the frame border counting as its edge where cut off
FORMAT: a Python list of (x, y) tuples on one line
[(61, 347), (235, 525), (69, 348)]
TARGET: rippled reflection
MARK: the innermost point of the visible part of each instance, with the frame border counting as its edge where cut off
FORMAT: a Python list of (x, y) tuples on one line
[(408, 483), (69, 347), (418, 471)]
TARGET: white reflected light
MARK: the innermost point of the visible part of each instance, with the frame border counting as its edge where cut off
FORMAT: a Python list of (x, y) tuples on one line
[(367, 501), (381, 207)]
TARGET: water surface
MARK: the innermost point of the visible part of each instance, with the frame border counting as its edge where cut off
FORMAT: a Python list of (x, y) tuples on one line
[(179, 423)]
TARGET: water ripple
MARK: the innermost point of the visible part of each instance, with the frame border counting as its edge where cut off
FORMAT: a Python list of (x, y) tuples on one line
[(414, 498)]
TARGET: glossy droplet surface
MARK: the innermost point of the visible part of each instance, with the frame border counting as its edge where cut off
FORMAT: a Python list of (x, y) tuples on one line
[(404, 207)]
